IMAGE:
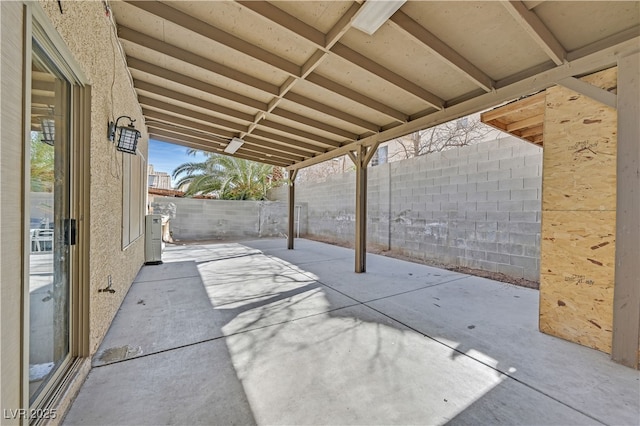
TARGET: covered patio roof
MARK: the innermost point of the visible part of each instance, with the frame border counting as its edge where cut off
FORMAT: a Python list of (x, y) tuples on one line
[(299, 84)]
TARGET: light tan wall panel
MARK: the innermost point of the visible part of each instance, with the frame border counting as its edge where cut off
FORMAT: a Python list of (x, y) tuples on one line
[(577, 262), (11, 150), (580, 149), (577, 265), (88, 33)]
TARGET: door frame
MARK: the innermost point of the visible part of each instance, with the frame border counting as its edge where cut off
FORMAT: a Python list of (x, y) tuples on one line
[(37, 25)]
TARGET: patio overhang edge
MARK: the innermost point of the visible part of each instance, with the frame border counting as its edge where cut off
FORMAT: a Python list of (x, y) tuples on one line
[(577, 63)]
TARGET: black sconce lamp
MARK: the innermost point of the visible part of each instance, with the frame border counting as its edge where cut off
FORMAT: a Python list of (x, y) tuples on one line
[(48, 127), (128, 137)]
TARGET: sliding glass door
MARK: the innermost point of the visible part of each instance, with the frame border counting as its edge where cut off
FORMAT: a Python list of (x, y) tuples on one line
[(47, 215)]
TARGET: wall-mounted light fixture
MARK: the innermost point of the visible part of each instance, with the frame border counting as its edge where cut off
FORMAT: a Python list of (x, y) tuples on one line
[(374, 13), (128, 137), (234, 145), (48, 126)]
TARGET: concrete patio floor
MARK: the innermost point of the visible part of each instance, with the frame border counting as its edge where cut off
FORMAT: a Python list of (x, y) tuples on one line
[(253, 333)]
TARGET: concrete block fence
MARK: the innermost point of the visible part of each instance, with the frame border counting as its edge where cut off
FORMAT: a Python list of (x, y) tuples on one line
[(201, 219), (476, 206)]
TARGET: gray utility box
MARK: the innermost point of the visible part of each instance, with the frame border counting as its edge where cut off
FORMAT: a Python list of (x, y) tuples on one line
[(153, 239)]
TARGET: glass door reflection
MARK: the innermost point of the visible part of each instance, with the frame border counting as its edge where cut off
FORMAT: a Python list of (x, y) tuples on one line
[(49, 194)]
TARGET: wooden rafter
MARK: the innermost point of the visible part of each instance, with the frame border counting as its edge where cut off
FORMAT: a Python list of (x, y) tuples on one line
[(538, 31), (438, 47)]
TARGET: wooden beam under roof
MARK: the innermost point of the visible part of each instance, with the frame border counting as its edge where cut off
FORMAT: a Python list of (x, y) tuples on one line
[(271, 140), (533, 121), (536, 29), (315, 139), (325, 109), (44, 85), (281, 112), (533, 101), (378, 70), (153, 115), (287, 141), (180, 17), (209, 65), (165, 48), (193, 83), (285, 20), (241, 153), (155, 103), (191, 23), (358, 97), (532, 131), (291, 23), (439, 48), (203, 86), (257, 147), (178, 96)]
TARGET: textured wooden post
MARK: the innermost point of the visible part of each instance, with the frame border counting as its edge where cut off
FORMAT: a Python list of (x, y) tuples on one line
[(626, 294), (292, 207), (361, 211)]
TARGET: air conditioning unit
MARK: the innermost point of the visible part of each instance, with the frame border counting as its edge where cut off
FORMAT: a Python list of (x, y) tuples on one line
[(153, 239)]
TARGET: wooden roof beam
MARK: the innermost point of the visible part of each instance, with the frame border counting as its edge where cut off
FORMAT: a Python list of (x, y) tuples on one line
[(591, 91), (381, 72), (184, 20), (532, 131), (285, 20), (313, 123), (325, 43), (585, 60), (358, 97), (536, 29), (532, 101), (534, 121), (286, 141), (208, 138), (277, 143), (439, 48), (165, 48), (203, 86), (155, 103), (325, 109), (185, 56), (300, 133), (149, 68), (177, 96), (175, 121), (204, 147)]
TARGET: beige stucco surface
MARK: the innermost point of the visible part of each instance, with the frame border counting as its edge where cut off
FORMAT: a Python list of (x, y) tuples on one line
[(90, 37)]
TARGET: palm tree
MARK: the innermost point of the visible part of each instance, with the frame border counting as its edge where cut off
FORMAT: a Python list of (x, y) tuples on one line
[(231, 178), (42, 159)]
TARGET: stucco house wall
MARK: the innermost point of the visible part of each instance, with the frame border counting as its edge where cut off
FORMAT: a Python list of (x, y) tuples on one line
[(90, 38)]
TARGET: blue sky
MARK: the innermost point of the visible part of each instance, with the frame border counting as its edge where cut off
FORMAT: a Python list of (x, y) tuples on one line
[(165, 157)]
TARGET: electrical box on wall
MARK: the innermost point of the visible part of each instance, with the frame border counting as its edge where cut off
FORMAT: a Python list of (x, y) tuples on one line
[(153, 239)]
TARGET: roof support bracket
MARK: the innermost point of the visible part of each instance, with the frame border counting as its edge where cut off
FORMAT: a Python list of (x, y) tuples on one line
[(593, 92)]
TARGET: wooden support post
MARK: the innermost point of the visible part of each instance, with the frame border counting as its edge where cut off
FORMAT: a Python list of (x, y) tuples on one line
[(292, 207), (626, 295), (361, 158), (361, 211)]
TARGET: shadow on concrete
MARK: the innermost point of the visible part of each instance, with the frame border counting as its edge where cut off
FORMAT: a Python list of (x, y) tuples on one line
[(239, 334)]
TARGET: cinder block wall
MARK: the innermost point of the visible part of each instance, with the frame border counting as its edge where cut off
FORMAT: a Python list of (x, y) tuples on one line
[(198, 219), (476, 206)]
